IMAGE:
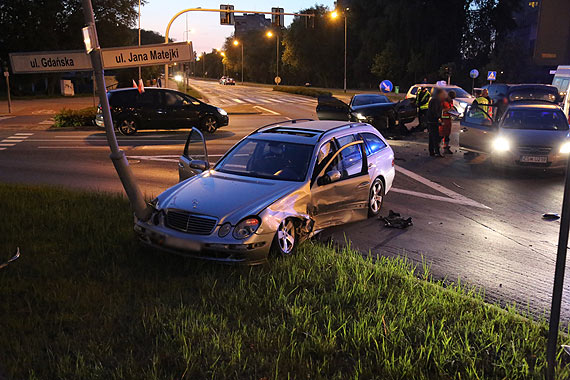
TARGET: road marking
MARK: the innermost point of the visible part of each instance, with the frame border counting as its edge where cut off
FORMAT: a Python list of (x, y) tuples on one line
[(7, 144), (453, 196), (43, 112), (46, 122), (13, 140), (23, 134), (267, 110), (238, 100), (2, 148), (6, 117)]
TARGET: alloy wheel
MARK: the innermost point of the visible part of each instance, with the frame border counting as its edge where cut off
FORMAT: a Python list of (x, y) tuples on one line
[(210, 124), (376, 197), (127, 127), (286, 236)]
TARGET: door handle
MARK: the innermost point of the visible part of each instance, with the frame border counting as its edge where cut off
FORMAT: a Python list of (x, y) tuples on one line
[(363, 184), (180, 165), (370, 166)]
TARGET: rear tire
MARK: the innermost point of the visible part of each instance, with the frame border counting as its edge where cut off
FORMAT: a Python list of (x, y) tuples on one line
[(209, 124), (127, 127), (376, 197), (285, 240)]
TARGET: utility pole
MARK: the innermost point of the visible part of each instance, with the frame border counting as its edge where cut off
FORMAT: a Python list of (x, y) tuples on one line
[(345, 44), (141, 210), (140, 76), (7, 76)]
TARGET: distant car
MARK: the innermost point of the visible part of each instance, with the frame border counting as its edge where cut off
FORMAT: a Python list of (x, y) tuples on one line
[(528, 134), (461, 101), (230, 82), (223, 80), (275, 188), (374, 109), (499, 92), (160, 108)]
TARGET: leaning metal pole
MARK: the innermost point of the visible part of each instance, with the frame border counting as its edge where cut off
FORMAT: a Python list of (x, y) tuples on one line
[(552, 344), (142, 211)]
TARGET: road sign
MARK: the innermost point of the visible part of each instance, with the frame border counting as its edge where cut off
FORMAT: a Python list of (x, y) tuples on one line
[(386, 86), (147, 55), (277, 80), (491, 75), (38, 62), (6, 74), (474, 73), (278, 20), (227, 18)]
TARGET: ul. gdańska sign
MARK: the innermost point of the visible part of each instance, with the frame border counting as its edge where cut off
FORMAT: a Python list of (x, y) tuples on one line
[(113, 58)]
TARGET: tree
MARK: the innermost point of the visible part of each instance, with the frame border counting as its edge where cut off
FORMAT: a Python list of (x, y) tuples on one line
[(259, 56)]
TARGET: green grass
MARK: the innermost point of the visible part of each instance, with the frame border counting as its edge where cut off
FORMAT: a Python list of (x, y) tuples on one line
[(85, 301), (190, 91), (300, 90), (75, 118)]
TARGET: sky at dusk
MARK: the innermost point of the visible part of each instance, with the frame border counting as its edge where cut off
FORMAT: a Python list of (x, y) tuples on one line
[(206, 31)]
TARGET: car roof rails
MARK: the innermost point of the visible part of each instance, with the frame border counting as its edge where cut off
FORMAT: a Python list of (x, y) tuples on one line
[(292, 121), (343, 126)]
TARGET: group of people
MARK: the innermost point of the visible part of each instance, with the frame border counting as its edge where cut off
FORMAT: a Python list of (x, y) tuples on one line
[(434, 115)]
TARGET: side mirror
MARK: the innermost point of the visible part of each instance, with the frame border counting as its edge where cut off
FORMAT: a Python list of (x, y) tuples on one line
[(330, 177), (199, 165)]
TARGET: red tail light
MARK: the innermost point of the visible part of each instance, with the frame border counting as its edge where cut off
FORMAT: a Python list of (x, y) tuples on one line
[(393, 162)]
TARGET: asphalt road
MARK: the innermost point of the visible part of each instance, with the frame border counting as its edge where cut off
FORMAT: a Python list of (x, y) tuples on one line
[(472, 222)]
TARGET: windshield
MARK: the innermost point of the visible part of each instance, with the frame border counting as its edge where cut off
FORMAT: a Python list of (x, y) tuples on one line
[(268, 159), (362, 100), (535, 119), (533, 94), (459, 92)]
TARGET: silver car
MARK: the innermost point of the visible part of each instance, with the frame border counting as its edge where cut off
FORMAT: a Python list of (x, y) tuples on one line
[(275, 188), (524, 134)]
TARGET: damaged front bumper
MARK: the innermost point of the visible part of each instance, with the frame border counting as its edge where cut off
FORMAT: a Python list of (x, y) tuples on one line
[(253, 250)]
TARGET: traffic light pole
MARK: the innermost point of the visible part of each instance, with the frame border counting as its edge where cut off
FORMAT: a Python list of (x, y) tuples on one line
[(220, 11), (141, 210)]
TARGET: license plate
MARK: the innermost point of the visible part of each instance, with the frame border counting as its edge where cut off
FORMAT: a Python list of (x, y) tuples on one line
[(535, 159)]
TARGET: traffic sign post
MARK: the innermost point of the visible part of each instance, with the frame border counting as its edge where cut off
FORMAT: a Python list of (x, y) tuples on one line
[(474, 74), (277, 80), (491, 76), (386, 86), (7, 76)]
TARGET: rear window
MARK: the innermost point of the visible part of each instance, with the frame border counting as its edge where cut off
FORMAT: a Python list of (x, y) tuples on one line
[(535, 119), (373, 143), (363, 100), (533, 94), (120, 98)]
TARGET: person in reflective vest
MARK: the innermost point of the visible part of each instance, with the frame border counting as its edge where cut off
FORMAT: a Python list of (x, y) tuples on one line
[(422, 101), (445, 127), (482, 103)]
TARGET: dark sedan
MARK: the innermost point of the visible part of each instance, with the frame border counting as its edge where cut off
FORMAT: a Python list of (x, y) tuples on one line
[(160, 108), (373, 109)]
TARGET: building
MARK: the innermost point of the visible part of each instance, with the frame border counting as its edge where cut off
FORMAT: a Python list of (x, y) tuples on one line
[(552, 45), (250, 22)]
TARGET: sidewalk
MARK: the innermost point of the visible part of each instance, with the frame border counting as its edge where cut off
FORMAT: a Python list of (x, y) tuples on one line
[(46, 106)]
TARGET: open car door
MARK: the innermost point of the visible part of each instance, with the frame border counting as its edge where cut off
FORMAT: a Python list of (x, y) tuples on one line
[(406, 110), (478, 128), (331, 108), (194, 159)]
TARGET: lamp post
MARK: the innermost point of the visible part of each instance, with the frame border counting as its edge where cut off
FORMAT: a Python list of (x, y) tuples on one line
[(236, 43), (140, 76), (269, 34), (334, 15)]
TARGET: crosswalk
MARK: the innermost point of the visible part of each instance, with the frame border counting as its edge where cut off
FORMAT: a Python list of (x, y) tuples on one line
[(11, 141), (232, 100)]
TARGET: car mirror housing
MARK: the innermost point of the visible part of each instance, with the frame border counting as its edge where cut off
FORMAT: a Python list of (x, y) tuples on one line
[(199, 165), (330, 177)]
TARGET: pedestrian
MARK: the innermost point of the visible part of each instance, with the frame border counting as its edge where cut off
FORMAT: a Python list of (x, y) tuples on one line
[(422, 101), (445, 127), (434, 114), (482, 103)]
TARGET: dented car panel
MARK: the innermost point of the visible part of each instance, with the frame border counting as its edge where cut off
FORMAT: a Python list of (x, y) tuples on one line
[(315, 174)]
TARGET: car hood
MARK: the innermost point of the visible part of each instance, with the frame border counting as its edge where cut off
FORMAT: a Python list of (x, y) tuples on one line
[(227, 197), (464, 100), (371, 109), (529, 137)]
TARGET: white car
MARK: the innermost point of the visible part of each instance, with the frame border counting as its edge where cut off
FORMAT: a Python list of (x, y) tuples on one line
[(462, 97)]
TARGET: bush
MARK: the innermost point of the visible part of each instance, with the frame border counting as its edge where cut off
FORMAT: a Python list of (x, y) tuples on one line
[(75, 118), (302, 91)]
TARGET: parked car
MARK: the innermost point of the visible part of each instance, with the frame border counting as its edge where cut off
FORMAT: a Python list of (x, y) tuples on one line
[(275, 188), (160, 108), (528, 134), (501, 92), (461, 101), (230, 82), (223, 80), (374, 109)]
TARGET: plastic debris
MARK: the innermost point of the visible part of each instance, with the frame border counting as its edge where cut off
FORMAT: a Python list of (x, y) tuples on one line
[(395, 220), (550, 216), (16, 256)]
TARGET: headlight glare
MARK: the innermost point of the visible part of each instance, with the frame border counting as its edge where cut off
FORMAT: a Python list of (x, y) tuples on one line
[(246, 227), (360, 116), (501, 144), (222, 112), (565, 148)]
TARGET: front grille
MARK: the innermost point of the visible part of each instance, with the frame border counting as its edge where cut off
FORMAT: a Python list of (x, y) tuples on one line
[(535, 150), (190, 223)]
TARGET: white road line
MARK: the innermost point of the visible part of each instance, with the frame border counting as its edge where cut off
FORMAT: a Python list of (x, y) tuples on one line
[(18, 137), (7, 144), (23, 134), (2, 148), (6, 117), (267, 110), (237, 100), (10, 141), (46, 122), (456, 197)]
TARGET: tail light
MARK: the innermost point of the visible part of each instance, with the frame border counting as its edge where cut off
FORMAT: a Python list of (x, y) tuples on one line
[(393, 162)]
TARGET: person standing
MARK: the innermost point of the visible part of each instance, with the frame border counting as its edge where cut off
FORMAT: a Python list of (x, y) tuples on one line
[(422, 102), (445, 127), (434, 113)]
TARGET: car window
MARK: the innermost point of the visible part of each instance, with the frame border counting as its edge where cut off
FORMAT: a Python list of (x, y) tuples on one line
[(533, 94), (173, 99), (121, 98), (478, 115), (362, 100), (374, 143), (326, 151), (535, 119), (268, 159), (414, 90), (147, 98), (350, 158)]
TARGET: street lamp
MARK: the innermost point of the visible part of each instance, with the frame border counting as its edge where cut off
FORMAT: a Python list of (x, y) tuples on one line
[(236, 43), (334, 15), (269, 34)]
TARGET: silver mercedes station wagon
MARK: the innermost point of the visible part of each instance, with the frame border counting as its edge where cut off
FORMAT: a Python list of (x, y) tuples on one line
[(275, 188)]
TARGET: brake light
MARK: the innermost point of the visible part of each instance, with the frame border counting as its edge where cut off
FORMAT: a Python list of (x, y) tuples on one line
[(393, 162)]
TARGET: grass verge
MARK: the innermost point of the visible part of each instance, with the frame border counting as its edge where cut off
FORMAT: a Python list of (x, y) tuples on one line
[(190, 91), (75, 118), (300, 90), (85, 301)]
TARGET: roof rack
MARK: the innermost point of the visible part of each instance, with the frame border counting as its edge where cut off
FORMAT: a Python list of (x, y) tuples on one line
[(348, 125), (293, 121)]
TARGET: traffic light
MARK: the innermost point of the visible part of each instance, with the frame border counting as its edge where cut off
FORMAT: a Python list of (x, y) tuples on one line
[(227, 18), (277, 20)]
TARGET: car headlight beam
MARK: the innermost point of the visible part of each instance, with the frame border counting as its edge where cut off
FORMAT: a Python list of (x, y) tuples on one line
[(246, 227), (501, 144), (360, 116), (565, 148), (222, 112)]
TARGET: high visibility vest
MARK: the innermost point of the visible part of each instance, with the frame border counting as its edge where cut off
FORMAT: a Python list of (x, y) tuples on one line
[(423, 101), (483, 102)]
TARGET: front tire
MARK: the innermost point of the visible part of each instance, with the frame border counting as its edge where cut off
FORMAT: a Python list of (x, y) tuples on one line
[(285, 240), (376, 197), (127, 127), (209, 124)]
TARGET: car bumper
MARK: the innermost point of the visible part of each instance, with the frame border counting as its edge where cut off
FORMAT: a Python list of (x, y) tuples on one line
[(99, 121), (223, 120), (251, 251), (515, 160)]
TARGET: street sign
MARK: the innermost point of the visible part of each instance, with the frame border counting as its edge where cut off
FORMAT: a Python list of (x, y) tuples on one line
[(6, 74), (277, 80), (386, 86), (491, 75), (278, 20), (474, 74), (147, 55), (227, 18), (39, 62)]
